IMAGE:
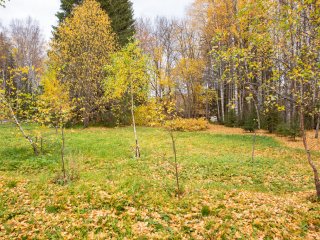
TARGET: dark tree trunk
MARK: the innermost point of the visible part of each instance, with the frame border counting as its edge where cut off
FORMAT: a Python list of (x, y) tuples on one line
[(317, 126), (254, 138), (308, 152)]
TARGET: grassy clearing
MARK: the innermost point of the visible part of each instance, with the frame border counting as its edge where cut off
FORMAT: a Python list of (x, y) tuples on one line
[(226, 196)]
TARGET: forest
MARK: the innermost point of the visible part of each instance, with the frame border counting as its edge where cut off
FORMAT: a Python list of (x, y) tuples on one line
[(125, 127)]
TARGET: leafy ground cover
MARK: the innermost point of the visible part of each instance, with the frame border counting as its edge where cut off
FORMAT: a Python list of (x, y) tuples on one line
[(225, 194)]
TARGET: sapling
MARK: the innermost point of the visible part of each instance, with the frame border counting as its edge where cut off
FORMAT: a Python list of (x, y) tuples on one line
[(127, 76), (55, 110)]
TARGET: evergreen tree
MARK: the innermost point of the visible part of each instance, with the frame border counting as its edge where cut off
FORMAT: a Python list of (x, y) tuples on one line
[(119, 11)]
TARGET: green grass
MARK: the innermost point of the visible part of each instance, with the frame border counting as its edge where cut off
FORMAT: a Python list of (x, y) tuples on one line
[(116, 193)]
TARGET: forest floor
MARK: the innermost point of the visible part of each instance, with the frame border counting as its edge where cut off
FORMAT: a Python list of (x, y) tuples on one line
[(225, 195)]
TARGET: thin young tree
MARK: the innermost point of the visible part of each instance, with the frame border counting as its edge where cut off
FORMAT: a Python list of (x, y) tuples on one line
[(128, 78), (7, 109), (12, 105), (54, 109)]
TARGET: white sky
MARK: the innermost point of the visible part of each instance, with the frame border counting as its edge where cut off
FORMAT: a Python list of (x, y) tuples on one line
[(44, 10)]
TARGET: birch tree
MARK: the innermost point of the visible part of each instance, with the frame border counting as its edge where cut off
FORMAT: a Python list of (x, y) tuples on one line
[(128, 76)]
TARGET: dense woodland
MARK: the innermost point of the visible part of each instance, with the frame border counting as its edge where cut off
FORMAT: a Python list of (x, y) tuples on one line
[(253, 64), (245, 62)]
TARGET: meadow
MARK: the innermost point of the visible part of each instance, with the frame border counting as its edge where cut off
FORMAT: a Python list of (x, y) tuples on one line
[(225, 195)]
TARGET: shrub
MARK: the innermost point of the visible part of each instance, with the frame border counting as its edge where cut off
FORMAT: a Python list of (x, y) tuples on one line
[(294, 131), (150, 115), (153, 114), (282, 130), (231, 119), (271, 120), (285, 130), (182, 124), (250, 123)]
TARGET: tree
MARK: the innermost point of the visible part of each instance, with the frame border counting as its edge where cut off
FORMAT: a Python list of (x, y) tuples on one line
[(80, 53), (21, 56), (128, 76), (120, 13), (177, 64), (54, 109), (8, 111), (188, 77), (2, 2), (6, 58), (28, 52)]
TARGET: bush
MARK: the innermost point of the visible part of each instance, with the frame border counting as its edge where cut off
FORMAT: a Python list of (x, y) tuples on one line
[(250, 124), (285, 130), (150, 115), (294, 131), (153, 115), (282, 130), (231, 119), (271, 120), (186, 125)]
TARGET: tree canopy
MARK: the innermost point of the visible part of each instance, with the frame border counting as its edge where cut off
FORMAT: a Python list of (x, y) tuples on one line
[(83, 48), (120, 13)]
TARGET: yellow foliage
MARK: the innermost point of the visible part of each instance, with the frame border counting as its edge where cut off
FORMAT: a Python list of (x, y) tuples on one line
[(187, 125), (81, 49), (162, 114), (54, 106), (151, 114)]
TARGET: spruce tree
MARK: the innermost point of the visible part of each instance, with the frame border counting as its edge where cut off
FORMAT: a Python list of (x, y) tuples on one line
[(119, 11)]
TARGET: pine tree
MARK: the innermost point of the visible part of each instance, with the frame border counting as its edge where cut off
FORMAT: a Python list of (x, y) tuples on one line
[(120, 13)]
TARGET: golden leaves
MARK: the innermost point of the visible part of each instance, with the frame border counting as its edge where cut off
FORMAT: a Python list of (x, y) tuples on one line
[(80, 51)]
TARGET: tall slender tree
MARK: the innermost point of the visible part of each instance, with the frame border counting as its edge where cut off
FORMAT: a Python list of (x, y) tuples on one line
[(128, 76), (120, 13)]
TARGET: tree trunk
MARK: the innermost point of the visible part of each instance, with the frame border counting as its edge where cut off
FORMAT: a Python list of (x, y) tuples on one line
[(317, 127), (306, 147), (137, 148), (254, 137), (207, 103), (218, 108), (32, 143), (62, 155), (258, 114), (175, 163), (222, 101)]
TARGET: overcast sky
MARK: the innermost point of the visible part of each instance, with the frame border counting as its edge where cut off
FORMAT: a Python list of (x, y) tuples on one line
[(44, 10)]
